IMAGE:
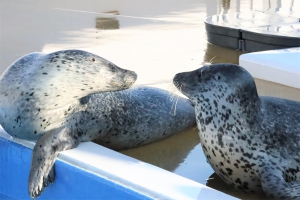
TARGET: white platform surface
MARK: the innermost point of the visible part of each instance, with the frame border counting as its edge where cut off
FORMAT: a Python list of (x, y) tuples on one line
[(131, 173), (279, 66)]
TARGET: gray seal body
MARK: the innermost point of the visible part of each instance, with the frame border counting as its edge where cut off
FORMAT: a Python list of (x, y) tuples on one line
[(252, 142), (134, 117), (38, 95), (118, 120)]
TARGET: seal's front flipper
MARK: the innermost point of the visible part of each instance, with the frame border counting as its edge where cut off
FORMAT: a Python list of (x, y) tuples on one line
[(50, 178), (275, 186), (44, 154)]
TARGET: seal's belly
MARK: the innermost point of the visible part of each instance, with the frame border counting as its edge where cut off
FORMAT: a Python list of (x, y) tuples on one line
[(237, 172)]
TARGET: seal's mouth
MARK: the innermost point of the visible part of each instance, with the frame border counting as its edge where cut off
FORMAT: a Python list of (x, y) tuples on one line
[(180, 84), (177, 81), (129, 79), (126, 81)]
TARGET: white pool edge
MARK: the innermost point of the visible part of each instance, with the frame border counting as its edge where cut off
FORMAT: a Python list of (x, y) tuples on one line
[(278, 66)]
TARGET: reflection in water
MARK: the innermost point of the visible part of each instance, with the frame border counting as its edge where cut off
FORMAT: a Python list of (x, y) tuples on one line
[(217, 54), (230, 6), (225, 5), (266, 88), (214, 181), (167, 153), (104, 23)]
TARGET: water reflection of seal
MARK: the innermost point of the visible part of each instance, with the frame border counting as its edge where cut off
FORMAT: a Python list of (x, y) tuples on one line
[(40, 92), (252, 142)]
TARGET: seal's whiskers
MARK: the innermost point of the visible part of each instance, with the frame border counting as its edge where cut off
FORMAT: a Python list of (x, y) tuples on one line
[(173, 91), (211, 61), (116, 84), (176, 101), (176, 104)]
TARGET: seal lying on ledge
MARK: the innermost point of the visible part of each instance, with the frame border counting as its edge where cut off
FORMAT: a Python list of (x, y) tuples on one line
[(118, 120), (135, 117), (62, 99), (252, 142), (36, 97)]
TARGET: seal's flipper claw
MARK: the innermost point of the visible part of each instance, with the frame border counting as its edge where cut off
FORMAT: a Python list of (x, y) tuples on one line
[(50, 178), (44, 154), (275, 186)]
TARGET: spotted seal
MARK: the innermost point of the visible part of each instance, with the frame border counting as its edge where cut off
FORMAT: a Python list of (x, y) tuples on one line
[(39, 95), (252, 142), (118, 120), (85, 110), (135, 117)]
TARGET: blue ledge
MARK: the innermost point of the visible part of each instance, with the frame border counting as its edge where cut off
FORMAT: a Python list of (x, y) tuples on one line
[(91, 171), (71, 181)]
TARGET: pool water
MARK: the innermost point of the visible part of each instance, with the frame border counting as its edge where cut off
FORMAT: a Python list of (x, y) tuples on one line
[(157, 39)]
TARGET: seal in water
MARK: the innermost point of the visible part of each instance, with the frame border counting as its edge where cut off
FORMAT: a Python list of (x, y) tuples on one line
[(252, 142), (38, 96)]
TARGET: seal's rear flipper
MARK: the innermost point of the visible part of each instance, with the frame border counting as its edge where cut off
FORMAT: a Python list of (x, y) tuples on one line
[(44, 154), (275, 186)]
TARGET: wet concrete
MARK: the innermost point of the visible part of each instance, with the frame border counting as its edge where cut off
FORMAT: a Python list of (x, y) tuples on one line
[(157, 39)]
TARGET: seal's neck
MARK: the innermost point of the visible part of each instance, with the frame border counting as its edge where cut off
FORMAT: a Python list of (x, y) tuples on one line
[(227, 109)]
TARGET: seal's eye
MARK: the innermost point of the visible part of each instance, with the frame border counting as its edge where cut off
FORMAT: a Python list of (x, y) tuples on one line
[(219, 77)]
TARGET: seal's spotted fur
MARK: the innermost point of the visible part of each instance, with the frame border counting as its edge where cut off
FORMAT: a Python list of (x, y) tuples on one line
[(118, 120), (62, 98), (40, 85), (252, 142), (136, 116), (39, 92)]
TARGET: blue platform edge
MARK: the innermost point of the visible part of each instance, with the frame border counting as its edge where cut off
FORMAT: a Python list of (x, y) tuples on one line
[(91, 171), (71, 182)]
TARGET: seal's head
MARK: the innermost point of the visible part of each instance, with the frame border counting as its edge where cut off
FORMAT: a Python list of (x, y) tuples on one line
[(63, 76), (37, 90), (216, 79), (110, 76)]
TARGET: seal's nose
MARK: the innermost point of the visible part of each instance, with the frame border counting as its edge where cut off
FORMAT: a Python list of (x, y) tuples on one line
[(176, 80), (130, 78)]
